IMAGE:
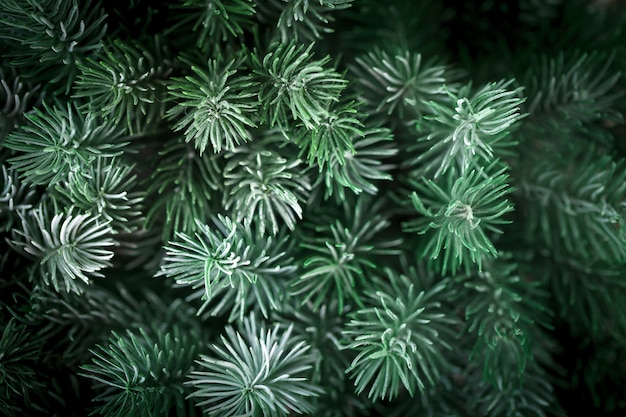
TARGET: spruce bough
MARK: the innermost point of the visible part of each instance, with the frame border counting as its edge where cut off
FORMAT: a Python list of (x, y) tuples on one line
[(312, 207)]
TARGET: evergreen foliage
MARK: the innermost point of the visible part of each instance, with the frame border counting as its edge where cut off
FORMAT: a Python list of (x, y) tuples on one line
[(141, 375), (499, 315), (212, 20), (264, 187), (468, 130), (107, 188), (47, 39), (362, 168), (295, 87), (580, 192), (260, 373), (217, 107), (69, 248), (399, 338), (57, 141), (334, 208), (182, 188), (339, 254), (460, 214), (17, 370), (233, 264), (303, 20), (333, 137), (16, 97), (15, 198), (399, 82), (125, 82)]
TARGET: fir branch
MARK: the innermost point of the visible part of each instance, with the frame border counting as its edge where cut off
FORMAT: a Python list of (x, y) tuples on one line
[(534, 398), (255, 372), (215, 106), (264, 188), (322, 330), (15, 198), (587, 296), (340, 250), (361, 170), (572, 95), (15, 98), (229, 255), (56, 141), (141, 373), (107, 188), (458, 214), (266, 296), (125, 84), (294, 86), (69, 248), (400, 336), (74, 323), (212, 20), (302, 20), (19, 354), (59, 33), (573, 196), (399, 83), (470, 130), (182, 188), (206, 258), (573, 89), (504, 314), (332, 138), (319, 251)]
